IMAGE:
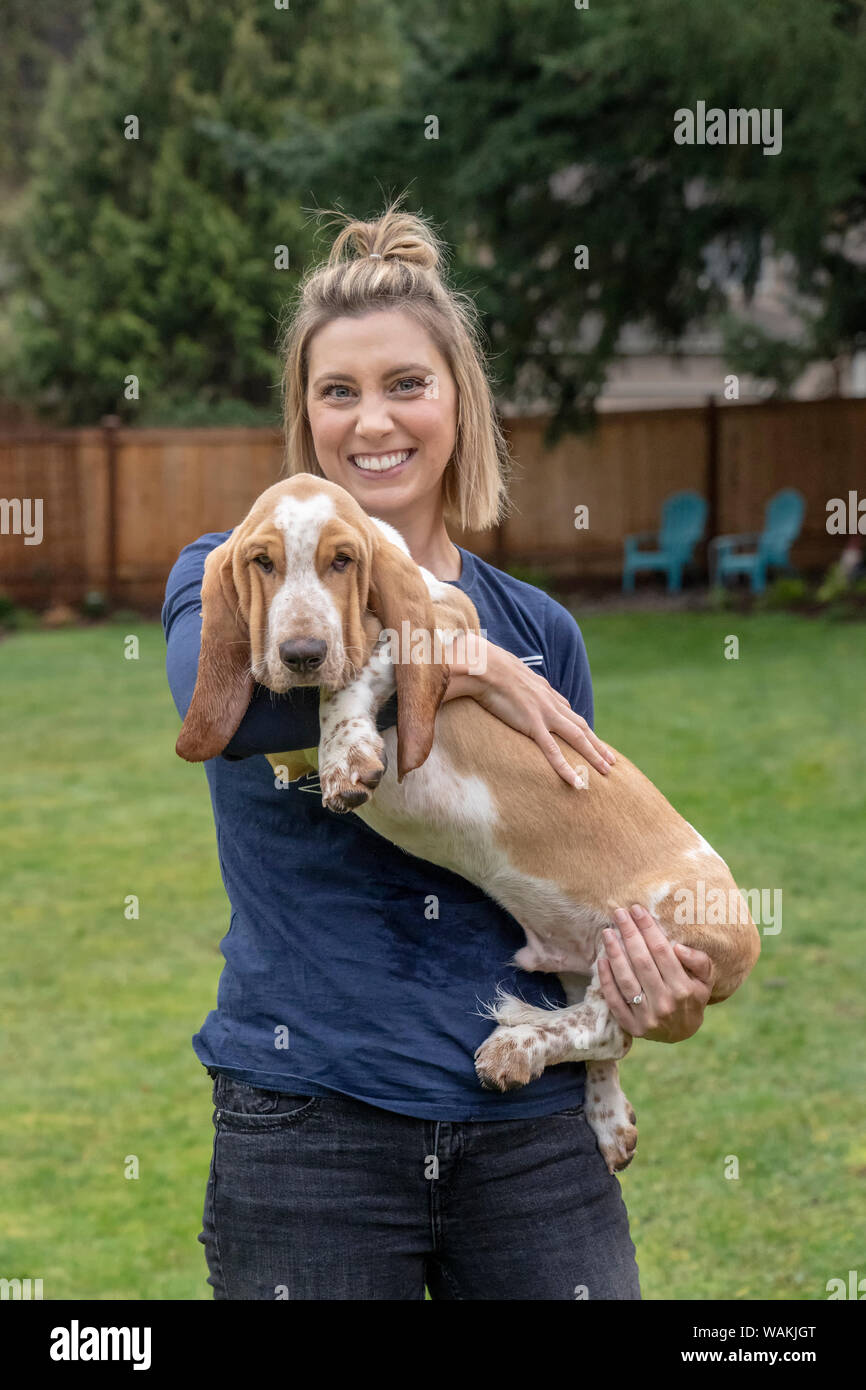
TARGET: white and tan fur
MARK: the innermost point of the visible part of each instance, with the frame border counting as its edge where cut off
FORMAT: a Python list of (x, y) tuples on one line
[(482, 799)]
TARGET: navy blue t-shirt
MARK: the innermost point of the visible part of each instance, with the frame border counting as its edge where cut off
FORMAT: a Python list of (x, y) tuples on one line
[(350, 965)]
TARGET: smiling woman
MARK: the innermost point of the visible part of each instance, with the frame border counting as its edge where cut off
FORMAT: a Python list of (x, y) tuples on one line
[(385, 390), (386, 437), (356, 1155)]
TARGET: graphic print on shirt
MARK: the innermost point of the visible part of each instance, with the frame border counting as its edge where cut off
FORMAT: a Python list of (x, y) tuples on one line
[(308, 783)]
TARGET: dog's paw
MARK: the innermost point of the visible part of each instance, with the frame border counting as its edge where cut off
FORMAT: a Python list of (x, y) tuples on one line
[(616, 1132), (350, 780), (510, 1057)]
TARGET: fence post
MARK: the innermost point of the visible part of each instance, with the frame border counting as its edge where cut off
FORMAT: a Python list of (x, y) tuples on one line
[(712, 475), (110, 426)]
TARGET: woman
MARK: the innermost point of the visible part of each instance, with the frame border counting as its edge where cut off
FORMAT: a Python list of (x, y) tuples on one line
[(355, 1155)]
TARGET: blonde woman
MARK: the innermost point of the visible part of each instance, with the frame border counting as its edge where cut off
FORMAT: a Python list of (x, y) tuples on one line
[(355, 1154)]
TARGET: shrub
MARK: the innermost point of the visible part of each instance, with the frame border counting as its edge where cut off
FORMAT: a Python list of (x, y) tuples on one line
[(94, 604), (788, 592), (720, 598)]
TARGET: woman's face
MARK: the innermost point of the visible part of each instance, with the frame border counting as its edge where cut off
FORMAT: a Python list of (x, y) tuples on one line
[(382, 406)]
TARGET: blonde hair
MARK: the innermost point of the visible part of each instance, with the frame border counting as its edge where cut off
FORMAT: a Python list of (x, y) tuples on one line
[(395, 262)]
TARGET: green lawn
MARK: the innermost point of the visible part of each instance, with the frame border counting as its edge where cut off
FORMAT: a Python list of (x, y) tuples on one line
[(763, 754)]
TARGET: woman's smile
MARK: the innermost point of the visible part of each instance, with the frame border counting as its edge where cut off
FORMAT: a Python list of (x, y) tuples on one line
[(382, 465)]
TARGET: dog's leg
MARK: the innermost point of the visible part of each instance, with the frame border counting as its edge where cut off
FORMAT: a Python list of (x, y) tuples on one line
[(609, 1114), (528, 1039), (352, 757)]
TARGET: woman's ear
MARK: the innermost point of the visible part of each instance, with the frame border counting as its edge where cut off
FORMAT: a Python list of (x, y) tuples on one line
[(224, 685), (399, 595)]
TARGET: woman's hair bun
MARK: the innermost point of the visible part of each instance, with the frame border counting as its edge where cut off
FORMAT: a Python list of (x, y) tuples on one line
[(395, 236)]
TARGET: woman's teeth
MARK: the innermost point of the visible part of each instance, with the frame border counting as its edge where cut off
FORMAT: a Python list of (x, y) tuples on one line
[(372, 464)]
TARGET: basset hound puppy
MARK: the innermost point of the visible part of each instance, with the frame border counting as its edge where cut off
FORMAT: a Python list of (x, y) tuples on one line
[(310, 590)]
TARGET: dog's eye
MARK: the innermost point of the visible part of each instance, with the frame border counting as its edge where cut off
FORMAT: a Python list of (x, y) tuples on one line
[(340, 562), (263, 563)]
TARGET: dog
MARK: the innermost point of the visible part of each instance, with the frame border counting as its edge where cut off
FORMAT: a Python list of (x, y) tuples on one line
[(310, 590)]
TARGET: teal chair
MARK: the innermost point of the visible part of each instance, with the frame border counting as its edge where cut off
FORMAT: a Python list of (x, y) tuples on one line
[(684, 516), (753, 554)]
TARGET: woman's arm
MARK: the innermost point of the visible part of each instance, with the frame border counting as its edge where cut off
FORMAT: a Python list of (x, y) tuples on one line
[(519, 696)]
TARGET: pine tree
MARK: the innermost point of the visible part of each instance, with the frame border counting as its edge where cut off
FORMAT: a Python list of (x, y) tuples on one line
[(556, 132), (153, 256)]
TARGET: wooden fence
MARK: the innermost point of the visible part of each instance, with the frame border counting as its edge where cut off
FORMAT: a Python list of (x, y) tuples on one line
[(119, 504)]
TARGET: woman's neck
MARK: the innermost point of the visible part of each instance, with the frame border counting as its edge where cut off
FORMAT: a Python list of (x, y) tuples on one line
[(429, 544)]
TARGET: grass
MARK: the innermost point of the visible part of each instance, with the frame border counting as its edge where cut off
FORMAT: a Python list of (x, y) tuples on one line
[(764, 754)]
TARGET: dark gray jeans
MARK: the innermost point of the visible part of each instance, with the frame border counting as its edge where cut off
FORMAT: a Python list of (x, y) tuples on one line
[(329, 1198)]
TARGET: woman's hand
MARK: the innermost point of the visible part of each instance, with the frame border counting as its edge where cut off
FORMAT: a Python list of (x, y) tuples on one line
[(675, 980), (520, 697)]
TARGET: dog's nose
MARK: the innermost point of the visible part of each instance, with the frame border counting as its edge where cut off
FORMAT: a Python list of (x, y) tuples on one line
[(304, 655)]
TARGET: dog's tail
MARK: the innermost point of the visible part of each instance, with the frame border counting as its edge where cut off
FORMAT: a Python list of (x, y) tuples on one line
[(507, 1010)]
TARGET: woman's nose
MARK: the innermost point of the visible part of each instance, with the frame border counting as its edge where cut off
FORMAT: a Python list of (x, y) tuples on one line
[(374, 419)]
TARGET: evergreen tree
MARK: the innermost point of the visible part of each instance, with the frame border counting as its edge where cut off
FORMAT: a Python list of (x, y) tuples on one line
[(556, 131), (526, 129), (147, 256)]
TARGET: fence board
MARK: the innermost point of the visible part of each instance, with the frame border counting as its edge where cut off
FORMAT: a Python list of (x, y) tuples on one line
[(173, 485), (621, 472)]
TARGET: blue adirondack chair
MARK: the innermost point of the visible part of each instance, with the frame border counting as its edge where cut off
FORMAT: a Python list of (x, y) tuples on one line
[(684, 516), (754, 553)]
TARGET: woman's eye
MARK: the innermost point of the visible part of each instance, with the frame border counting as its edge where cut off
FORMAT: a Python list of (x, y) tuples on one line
[(412, 382), (340, 562), (263, 563)]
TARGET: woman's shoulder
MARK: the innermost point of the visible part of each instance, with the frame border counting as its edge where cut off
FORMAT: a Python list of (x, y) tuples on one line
[(490, 582)]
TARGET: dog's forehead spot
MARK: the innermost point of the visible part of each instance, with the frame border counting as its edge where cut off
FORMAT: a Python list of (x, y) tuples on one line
[(301, 520)]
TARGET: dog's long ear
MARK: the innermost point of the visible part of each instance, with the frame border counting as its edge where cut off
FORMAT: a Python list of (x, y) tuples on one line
[(224, 685), (399, 595)]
